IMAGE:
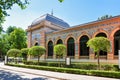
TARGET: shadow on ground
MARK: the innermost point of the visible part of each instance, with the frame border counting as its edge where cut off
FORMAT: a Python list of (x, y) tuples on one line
[(5, 75)]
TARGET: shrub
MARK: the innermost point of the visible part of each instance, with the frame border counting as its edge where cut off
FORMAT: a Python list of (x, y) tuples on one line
[(24, 53), (14, 53), (85, 66), (59, 50), (37, 51), (111, 74)]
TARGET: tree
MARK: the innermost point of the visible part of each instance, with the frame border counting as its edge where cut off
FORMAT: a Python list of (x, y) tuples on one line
[(14, 53), (105, 17), (37, 51), (4, 45), (24, 53), (60, 0), (18, 39), (10, 29), (99, 44), (6, 5), (60, 50)]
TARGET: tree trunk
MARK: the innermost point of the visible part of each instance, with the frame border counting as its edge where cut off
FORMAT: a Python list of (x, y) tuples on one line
[(15, 60), (38, 59), (98, 57), (59, 61), (45, 57)]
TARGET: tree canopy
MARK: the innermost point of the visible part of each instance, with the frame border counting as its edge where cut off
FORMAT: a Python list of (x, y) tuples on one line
[(60, 0), (37, 51), (18, 39), (4, 44), (14, 53), (99, 44), (105, 17), (10, 29), (60, 50), (24, 53)]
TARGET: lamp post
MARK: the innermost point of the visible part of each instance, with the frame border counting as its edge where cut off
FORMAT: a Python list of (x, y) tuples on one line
[(6, 60)]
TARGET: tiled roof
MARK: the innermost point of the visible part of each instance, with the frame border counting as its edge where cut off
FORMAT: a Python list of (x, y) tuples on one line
[(51, 19)]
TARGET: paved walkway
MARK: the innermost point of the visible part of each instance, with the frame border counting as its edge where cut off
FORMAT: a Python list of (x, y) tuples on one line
[(57, 75)]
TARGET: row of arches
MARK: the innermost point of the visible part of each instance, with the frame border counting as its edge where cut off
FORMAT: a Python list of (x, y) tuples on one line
[(83, 49)]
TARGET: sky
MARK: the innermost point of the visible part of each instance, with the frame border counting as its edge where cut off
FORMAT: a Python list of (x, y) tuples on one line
[(74, 12)]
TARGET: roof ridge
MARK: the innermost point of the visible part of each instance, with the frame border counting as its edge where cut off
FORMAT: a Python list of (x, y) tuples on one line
[(56, 18), (52, 19)]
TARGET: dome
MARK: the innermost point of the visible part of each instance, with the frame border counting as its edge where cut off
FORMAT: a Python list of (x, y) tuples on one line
[(51, 19)]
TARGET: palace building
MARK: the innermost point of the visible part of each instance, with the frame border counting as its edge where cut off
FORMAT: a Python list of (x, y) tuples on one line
[(49, 30)]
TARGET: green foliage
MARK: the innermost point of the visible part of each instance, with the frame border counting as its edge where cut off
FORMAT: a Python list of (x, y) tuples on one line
[(14, 39), (6, 5), (4, 44), (60, 0), (18, 39), (14, 53), (99, 43), (2, 19), (24, 53), (85, 66), (111, 74), (10, 29), (60, 50), (37, 51), (105, 17)]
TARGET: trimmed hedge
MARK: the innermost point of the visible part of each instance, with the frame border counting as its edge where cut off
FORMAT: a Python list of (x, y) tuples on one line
[(111, 74), (86, 66)]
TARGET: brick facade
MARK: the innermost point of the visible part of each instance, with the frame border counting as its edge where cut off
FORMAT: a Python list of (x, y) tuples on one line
[(49, 32)]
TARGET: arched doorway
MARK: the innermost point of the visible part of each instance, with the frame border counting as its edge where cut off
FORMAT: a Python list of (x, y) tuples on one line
[(50, 49), (84, 50), (116, 44), (103, 54), (71, 47), (59, 41)]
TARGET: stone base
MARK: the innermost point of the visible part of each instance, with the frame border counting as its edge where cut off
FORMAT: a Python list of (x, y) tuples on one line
[(92, 56), (110, 56)]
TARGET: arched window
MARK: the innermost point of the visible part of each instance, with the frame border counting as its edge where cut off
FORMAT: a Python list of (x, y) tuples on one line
[(50, 48), (116, 42), (59, 41), (70, 47), (36, 44), (101, 35), (84, 50), (102, 53)]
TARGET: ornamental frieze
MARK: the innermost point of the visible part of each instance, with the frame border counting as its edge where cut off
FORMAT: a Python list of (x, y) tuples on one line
[(109, 29), (89, 30)]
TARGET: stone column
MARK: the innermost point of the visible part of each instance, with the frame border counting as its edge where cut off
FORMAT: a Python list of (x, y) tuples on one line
[(42, 38), (29, 39), (76, 51), (110, 55), (54, 56), (43, 42), (91, 55)]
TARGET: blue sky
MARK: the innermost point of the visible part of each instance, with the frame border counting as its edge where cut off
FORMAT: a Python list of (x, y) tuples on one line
[(74, 12)]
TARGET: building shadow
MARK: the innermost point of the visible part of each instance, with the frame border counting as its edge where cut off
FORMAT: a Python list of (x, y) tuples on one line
[(5, 75)]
